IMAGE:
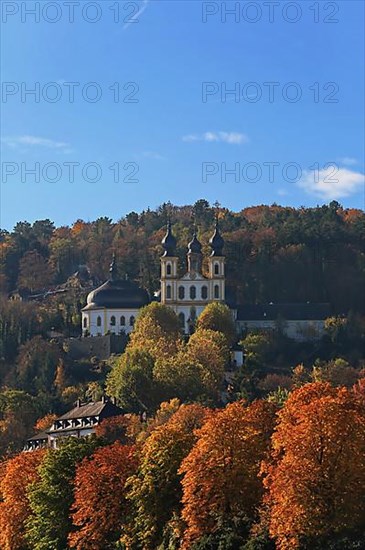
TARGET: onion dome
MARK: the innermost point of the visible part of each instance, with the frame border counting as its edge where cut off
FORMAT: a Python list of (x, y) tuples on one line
[(194, 247), (169, 242), (216, 242), (117, 294)]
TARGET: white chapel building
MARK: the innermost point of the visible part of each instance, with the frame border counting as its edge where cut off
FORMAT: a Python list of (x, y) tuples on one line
[(113, 307)]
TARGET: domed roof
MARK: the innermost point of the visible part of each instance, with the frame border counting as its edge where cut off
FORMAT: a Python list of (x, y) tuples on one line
[(216, 242), (169, 242), (194, 247), (117, 294)]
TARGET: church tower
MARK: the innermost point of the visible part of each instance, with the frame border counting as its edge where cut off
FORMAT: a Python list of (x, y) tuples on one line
[(195, 258), (169, 267), (216, 263)]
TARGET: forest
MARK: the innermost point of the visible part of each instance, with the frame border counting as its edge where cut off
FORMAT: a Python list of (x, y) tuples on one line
[(282, 471), (274, 253), (270, 455)]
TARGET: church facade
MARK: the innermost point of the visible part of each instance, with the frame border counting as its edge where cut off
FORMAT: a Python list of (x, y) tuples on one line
[(188, 295)]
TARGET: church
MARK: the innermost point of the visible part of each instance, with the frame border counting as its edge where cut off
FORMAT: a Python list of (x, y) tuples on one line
[(113, 307)]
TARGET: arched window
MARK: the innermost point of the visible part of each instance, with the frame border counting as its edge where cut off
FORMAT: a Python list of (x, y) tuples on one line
[(85, 322), (168, 292), (181, 292), (168, 269), (192, 292), (112, 321), (192, 313), (132, 321), (182, 320), (204, 292), (216, 269), (98, 321), (122, 321), (216, 291)]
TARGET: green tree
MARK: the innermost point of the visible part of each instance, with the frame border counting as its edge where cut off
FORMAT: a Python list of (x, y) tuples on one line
[(18, 413), (51, 498), (218, 317), (132, 382), (157, 330), (37, 364), (155, 491)]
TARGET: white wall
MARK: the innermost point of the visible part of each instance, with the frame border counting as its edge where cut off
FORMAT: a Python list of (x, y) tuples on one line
[(105, 315), (300, 330)]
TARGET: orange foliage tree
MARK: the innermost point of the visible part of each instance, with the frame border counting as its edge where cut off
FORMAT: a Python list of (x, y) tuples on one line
[(316, 479), (45, 422), (20, 471), (99, 506), (124, 428), (221, 472)]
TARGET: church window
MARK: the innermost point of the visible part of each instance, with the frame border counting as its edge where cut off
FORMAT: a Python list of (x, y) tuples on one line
[(98, 321), (168, 269), (181, 292), (204, 292), (122, 321), (216, 291), (112, 321), (131, 321), (168, 292), (192, 292), (182, 320), (192, 313), (216, 269), (85, 322)]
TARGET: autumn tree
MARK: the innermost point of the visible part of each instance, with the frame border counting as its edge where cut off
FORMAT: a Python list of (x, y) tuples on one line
[(20, 472), (45, 422), (218, 317), (60, 379), (208, 349), (155, 491), (37, 364), (196, 371), (316, 476), (221, 488), (51, 497), (35, 272), (99, 507), (123, 428), (337, 372), (156, 330)]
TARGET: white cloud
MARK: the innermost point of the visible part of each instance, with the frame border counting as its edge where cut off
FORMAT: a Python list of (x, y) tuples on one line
[(34, 141), (134, 17), (152, 155), (348, 161), (235, 138), (331, 183)]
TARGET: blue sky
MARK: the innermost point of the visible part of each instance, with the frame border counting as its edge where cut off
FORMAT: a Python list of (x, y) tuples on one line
[(171, 143)]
